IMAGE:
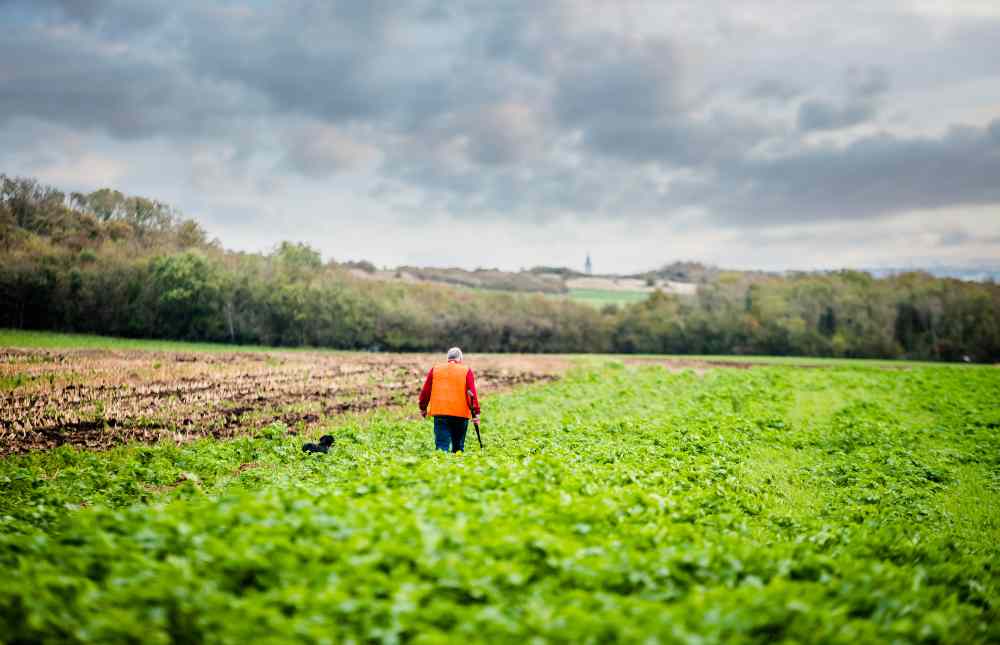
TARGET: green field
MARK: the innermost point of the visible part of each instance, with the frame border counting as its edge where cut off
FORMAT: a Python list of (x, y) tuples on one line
[(794, 361), (602, 297), (53, 340), (621, 503)]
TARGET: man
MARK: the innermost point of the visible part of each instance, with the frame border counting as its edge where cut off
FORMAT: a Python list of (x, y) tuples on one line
[(449, 395)]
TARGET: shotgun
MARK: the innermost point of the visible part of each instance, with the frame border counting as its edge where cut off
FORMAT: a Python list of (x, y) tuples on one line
[(468, 394)]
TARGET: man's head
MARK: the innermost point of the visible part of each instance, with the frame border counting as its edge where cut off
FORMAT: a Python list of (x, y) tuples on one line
[(455, 354)]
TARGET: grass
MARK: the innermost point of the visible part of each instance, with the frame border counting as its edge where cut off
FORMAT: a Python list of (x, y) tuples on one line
[(28, 339), (621, 504), (53, 340), (594, 297), (799, 361), (602, 297), (14, 381)]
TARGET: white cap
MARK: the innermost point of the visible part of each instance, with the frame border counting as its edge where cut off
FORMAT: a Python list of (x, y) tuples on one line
[(455, 354)]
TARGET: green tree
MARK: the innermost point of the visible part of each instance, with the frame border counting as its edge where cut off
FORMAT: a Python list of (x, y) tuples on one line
[(189, 296)]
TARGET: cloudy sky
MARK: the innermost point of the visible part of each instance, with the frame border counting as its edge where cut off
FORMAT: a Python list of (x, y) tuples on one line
[(752, 134)]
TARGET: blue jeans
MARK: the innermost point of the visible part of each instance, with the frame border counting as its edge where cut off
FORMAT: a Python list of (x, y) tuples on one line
[(449, 433)]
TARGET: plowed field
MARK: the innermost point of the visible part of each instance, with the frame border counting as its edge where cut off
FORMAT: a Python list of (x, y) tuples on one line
[(99, 398)]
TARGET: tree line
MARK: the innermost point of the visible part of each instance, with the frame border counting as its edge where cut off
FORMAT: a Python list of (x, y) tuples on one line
[(108, 263)]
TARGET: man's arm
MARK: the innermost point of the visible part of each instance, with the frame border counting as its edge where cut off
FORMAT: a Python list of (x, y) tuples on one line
[(470, 386), (425, 393)]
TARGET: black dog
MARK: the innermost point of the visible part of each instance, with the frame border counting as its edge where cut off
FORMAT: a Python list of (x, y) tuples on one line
[(323, 446)]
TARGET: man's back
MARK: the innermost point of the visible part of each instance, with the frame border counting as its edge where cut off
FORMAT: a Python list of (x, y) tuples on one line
[(448, 391), (449, 395)]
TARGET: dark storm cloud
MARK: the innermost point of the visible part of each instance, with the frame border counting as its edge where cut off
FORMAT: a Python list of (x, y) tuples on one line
[(628, 102), (683, 142), (601, 83), (873, 177), (316, 60), (62, 79), (625, 101), (401, 65), (329, 60)]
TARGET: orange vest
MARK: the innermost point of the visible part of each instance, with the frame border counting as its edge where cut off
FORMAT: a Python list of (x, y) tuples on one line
[(448, 391)]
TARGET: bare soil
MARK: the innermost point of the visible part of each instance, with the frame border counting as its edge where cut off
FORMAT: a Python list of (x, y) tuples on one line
[(101, 398)]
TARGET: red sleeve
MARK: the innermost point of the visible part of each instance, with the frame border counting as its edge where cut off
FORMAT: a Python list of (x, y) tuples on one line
[(470, 386), (425, 393)]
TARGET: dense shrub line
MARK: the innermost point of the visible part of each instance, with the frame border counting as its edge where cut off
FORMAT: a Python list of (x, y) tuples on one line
[(110, 264)]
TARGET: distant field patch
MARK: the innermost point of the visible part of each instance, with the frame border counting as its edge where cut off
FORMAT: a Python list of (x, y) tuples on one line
[(54, 340), (601, 297), (631, 285)]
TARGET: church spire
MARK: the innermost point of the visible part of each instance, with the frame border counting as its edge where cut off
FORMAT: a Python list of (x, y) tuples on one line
[(588, 268)]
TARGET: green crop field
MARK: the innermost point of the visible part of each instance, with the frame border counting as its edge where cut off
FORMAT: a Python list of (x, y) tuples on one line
[(601, 297), (54, 340), (620, 503)]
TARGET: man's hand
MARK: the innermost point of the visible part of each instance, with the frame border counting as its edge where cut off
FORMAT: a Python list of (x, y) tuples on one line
[(475, 420), (423, 413)]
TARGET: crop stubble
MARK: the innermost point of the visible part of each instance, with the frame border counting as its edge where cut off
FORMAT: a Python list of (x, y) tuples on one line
[(100, 398)]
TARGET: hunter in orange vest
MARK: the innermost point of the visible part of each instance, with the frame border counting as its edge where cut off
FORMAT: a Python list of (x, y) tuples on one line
[(449, 395)]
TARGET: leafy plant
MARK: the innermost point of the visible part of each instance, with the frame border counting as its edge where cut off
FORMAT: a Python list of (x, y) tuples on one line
[(620, 503)]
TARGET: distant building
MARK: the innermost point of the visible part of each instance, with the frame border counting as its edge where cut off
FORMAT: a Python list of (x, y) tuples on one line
[(588, 268)]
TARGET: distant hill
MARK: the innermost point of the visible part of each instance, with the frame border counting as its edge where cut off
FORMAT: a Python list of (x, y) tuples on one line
[(112, 264), (971, 274), (488, 279), (681, 278), (690, 272), (600, 290)]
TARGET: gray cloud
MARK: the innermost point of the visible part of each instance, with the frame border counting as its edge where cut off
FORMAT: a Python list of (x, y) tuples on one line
[(111, 17), (629, 103), (773, 89), (78, 82), (315, 61), (872, 177), (864, 87), (625, 101), (868, 82), (816, 114), (955, 237), (504, 133), (959, 237), (523, 111), (602, 83), (318, 151)]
